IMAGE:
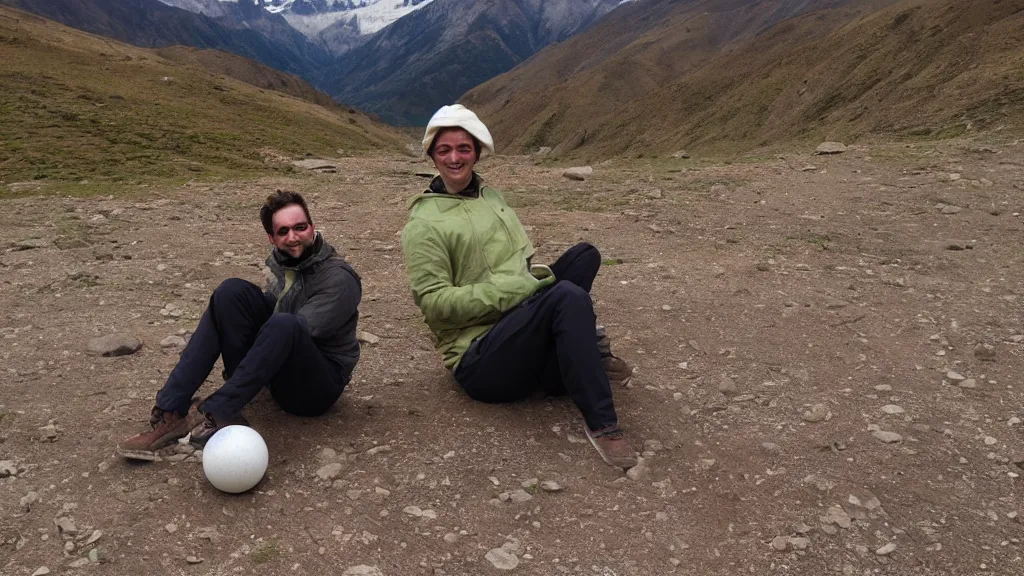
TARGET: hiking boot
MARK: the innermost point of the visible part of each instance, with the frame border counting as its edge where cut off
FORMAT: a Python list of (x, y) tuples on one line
[(167, 427), (209, 426), (618, 370), (613, 447)]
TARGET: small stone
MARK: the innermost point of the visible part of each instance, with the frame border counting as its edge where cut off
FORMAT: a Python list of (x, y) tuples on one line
[(639, 471), (955, 376), (69, 546), (114, 345), (414, 511), (1013, 421), (328, 455), (41, 571), (502, 559), (887, 437), (28, 500), (353, 494), (949, 209), (780, 543), (799, 543), (985, 352), (886, 550), (94, 555), (680, 154), (451, 538), (969, 383), (520, 496), (578, 173), (551, 486), (892, 409), (329, 471), (990, 441), (172, 341), (817, 413), (838, 516), (367, 338), (193, 560), (93, 538), (883, 388), (830, 148), (530, 485), (65, 526), (726, 385), (8, 468)]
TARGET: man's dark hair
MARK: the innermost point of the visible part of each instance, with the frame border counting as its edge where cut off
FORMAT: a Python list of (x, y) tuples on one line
[(279, 200), (477, 147)]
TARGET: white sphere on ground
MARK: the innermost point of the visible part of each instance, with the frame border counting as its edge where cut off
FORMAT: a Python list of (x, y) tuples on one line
[(235, 459)]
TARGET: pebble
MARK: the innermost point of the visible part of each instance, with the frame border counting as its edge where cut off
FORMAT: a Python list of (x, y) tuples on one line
[(989, 441), (639, 471), (799, 543), (362, 570), (887, 437), (985, 352), (892, 409), (329, 471), (172, 341), (726, 385), (817, 413), (41, 571), (578, 173), (886, 550), (119, 344), (8, 468), (193, 560), (883, 388), (28, 500), (520, 496), (955, 376), (502, 559), (969, 384), (551, 486), (451, 537), (367, 338), (780, 543), (530, 485)]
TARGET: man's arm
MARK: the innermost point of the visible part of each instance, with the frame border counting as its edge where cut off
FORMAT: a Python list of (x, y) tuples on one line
[(444, 305), (330, 308)]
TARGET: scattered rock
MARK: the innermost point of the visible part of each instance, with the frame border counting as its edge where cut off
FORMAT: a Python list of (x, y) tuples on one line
[(171, 528), (836, 515), (28, 500), (887, 437), (680, 154), (886, 550), (955, 376), (808, 168), (172, 341), (530, 485), (41, 571), (578, 173), (817, 413), (727, 386), (959, 245), (985, 351), (520, 496), (65, 526), (780, 543), (969, 383), (30, 244), (892, 409), (8, 468), (950, 209), (329, 471), (367, 338), (830, 148), (451, 538), (639, 471), (193, 560), (119, 344), (502, 559), (799, 542), (50, 433)]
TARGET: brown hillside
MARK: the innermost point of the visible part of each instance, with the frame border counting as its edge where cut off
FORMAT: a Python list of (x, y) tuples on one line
[(246, 70), (724, 76), (83, 113)]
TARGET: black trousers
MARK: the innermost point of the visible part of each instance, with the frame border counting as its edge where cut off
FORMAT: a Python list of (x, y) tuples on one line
[(548, 342), (259, 348)]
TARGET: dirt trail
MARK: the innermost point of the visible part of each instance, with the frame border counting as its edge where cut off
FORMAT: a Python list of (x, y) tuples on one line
[(782, 319)]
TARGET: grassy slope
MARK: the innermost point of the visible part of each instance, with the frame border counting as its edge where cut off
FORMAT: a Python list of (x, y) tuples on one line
[(78, 107)]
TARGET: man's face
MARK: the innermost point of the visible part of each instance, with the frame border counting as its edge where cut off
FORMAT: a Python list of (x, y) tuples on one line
[(454, 157), (293, 232)]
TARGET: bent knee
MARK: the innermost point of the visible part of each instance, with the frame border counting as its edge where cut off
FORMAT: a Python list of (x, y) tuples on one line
[(569, 292), (282, 321), (234, 286)]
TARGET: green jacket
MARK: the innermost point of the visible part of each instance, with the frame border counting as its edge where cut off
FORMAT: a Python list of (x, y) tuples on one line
[(468, 263)]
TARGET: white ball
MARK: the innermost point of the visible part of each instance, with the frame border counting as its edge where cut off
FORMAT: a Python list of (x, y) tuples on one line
[(235, 459)]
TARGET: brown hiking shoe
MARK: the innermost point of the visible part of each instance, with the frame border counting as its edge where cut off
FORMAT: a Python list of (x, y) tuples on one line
[(168, 426), (618, 370), (209, 426), (613, 447)]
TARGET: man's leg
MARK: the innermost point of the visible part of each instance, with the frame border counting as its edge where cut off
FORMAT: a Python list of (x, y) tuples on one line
[(236, 311), (578, 265), (283, 347), (228, 328), (510, 360)]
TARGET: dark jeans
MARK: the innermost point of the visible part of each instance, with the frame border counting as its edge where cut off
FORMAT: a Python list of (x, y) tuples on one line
[(259, 348), (547, 342)]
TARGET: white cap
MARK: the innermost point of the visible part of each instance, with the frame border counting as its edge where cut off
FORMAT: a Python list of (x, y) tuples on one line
[(458, 116)]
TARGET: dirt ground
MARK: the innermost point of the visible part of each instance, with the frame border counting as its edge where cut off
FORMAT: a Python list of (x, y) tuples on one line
[(783, 316)]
